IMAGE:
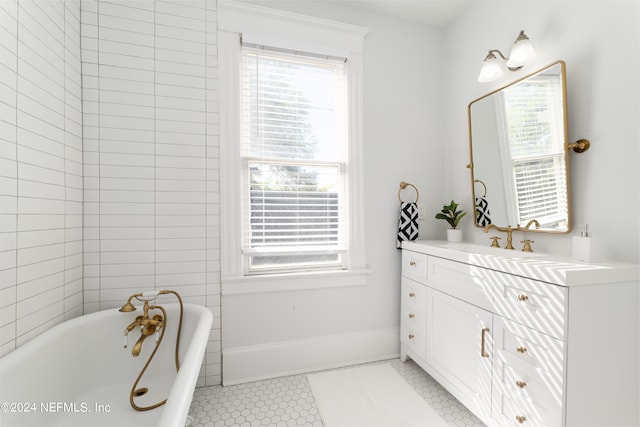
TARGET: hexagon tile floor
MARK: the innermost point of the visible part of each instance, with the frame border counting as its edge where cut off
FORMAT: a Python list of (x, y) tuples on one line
[(288, 401)]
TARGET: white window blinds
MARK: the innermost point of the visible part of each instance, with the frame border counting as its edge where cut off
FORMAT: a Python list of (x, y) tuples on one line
[(536, 144), (295, 136)]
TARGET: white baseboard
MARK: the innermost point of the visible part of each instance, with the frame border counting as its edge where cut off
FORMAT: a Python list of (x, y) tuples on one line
[(254, 363)]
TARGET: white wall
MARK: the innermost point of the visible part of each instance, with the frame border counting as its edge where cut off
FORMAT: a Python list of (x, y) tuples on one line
[(151, 184), (40, 168), (418, 83), (402, 142), (600, 42)]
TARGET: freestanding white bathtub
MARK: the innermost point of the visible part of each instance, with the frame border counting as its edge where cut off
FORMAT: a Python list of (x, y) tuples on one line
[(79, 374)]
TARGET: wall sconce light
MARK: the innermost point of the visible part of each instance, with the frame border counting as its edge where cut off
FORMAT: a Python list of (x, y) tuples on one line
[(521, 53)]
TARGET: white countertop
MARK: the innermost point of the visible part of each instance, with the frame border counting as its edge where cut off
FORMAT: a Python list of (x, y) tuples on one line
[(546, 268)]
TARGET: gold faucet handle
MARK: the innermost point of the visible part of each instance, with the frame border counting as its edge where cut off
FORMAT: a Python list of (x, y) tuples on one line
[(494, 241), (527, 245)]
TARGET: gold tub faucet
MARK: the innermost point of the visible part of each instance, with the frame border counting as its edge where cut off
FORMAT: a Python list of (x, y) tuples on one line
[(148, 326)]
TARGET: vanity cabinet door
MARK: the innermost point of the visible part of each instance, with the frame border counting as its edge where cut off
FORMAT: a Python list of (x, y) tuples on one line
[(459, 350)]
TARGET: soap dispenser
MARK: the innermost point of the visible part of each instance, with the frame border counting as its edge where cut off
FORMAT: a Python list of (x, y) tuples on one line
[(582, 245)]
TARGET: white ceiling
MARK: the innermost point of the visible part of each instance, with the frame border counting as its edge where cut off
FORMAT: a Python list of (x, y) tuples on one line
[(433, 12)]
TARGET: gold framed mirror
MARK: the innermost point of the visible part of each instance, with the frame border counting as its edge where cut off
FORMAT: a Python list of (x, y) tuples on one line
[(518, 148)]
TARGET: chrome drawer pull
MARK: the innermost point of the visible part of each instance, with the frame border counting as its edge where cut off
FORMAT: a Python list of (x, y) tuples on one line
[(520, 419), (411, 315), (483, 353), (521, 384), (521, 349), (523, 297)]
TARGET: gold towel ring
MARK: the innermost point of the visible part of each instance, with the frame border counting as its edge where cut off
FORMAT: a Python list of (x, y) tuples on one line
[(404, 185), (485, 187)]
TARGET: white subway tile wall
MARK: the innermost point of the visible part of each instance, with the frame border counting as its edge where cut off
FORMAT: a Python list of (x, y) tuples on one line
[(151, 164), (40, 168)]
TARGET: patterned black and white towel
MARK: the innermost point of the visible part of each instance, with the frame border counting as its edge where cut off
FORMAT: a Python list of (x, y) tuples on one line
[(483, 216), (408, 223)]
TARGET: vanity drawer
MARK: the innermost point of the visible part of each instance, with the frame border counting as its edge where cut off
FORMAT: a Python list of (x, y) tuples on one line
[(414, 265), (539, 305), (508, 412), (413, 314), (463, 281), (414, 340), (530, 350), (524, 393), (413, 297), (528, 376)]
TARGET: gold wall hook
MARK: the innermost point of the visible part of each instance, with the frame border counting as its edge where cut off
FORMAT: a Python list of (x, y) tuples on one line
[(580, 146)]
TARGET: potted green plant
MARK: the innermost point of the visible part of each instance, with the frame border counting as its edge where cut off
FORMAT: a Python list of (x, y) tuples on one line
[(452, 215)]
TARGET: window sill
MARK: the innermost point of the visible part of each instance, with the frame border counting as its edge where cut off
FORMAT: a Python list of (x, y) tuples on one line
[(293, 282)]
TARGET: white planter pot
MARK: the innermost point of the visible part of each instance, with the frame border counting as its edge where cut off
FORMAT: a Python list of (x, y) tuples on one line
[(454, 235)]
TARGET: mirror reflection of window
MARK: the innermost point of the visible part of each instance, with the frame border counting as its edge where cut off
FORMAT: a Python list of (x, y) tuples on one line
[(531, 116)]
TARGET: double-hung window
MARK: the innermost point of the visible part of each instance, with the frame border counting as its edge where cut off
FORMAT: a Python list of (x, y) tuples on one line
[(291, 151), (536, 150), (294, 151)]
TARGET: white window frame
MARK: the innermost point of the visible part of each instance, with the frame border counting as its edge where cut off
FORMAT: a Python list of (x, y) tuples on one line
[(306, 34)]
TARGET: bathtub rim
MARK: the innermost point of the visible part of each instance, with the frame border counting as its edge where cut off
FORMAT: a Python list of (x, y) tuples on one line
[(176, 410), (181, 395)]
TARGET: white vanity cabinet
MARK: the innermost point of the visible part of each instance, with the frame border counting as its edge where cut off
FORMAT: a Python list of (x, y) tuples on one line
[(524, 340)]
